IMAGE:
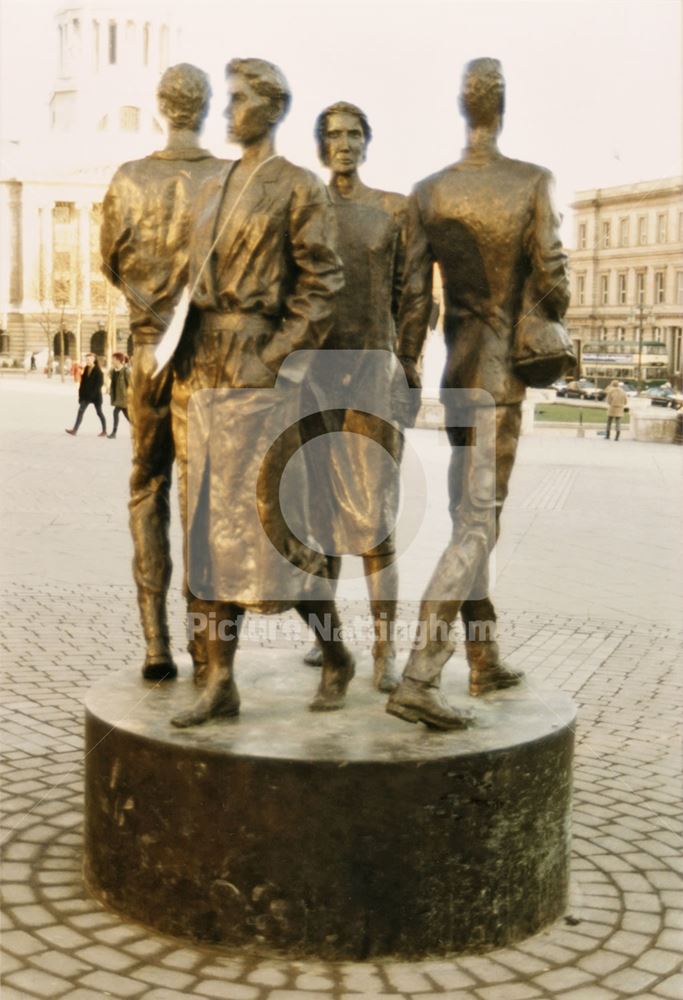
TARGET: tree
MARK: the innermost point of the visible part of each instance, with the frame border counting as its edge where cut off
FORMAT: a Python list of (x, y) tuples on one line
[(51, 323)]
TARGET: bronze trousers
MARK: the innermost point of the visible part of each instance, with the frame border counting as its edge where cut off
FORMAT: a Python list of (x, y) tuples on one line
[(150, 484), (459, 584)]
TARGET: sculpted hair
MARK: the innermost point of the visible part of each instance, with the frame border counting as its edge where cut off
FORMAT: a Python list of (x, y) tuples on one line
[(184, 93), (341, 108), (482, 97), (266, 79)]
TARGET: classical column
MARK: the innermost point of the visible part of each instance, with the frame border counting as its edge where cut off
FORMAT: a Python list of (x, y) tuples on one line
[(45, 277), (83, 257), (30, 223)]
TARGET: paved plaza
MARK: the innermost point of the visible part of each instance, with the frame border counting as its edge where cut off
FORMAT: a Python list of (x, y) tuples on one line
[(589, 583)]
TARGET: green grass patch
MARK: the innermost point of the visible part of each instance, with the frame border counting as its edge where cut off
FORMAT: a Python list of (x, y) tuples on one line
[(560, 413)]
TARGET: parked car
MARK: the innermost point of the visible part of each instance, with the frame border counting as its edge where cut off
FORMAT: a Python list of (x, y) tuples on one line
[(581, 388), (630, 388), (664, 395)]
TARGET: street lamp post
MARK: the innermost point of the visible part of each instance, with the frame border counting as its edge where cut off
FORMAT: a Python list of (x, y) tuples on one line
[(639, 314)]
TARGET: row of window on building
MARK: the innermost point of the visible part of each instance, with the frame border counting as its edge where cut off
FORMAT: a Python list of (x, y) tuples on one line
[(70, 43), (617, 232), (610, 293), (655, 335), (66, 343)]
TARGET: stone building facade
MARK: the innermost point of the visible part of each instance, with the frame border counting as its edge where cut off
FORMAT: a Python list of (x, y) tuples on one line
[(102, 112), (626, 308)]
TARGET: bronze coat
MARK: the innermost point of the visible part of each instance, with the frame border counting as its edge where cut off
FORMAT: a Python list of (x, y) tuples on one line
[(489, 223), (267, 291), (145, 232), (357, 485)]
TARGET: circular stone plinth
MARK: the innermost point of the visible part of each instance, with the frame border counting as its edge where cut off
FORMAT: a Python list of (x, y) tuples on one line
[(343, 835)]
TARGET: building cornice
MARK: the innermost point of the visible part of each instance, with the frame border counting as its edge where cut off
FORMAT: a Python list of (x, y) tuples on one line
[(625, 194)]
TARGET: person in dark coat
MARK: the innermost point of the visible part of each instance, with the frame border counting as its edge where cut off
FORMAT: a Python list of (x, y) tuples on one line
[(118, 389), (90, 392)]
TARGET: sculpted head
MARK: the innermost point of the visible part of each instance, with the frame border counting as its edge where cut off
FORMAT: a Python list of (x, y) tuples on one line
[(259, 98), (482, 97), (342, 132), (184, 93)]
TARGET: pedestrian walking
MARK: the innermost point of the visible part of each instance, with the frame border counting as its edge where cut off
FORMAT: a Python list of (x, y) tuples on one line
[(118, 389), (90, 392), (616, 404)]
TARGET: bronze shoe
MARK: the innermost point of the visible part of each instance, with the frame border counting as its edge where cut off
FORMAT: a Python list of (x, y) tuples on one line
[(159, 668), (331, 693), (219, 700), (417, 701), (493, 679), (385, 676)]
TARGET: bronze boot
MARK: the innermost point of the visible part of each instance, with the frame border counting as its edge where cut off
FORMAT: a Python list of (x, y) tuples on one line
[(420, 701), (159, 664), (487, 673), (197, 642), (337, 673), (219, 699), (385, 676)]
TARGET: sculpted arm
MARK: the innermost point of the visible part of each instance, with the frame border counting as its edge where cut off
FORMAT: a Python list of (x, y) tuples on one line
[(548, 260), (416, 298), (318, 275), (115, 229)]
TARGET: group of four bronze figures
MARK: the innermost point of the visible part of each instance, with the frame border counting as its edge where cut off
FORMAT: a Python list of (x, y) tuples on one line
[(276, 263)]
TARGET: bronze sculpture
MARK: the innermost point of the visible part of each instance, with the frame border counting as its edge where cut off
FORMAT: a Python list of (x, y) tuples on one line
[(371, 238), (144, 244), (488, 222), (264, 273)]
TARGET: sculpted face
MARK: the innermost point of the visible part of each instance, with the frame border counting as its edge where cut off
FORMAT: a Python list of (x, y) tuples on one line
[(344, 143), (250, 114)]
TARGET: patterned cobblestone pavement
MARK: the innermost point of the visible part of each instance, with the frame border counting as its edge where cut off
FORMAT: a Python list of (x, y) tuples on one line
[(591, 543), (623, 932)]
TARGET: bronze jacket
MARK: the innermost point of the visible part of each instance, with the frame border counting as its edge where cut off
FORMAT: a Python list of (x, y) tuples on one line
[(489, 224), (145, 232), (276, 258), (371, 230)]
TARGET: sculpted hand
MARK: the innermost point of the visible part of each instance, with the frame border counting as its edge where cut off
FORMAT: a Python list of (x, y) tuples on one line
[(411, 372), (408, 399)]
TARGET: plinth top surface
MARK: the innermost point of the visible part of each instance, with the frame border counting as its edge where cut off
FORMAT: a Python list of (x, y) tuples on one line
[(276, 688)]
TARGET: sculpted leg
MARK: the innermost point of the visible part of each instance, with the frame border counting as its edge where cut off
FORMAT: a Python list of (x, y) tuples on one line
[(338, 663), (418, 697), (487, 671), (314, 656), (385, 674), (219, 698), (197, 609), (149, 508)]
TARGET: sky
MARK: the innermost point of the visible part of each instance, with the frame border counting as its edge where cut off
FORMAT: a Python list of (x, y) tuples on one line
[(593, 88)]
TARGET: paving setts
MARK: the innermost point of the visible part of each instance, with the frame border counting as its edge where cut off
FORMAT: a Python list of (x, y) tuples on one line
[(589, 587)]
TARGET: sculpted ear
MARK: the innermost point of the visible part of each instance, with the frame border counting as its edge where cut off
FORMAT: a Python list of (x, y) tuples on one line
[(278, 110)]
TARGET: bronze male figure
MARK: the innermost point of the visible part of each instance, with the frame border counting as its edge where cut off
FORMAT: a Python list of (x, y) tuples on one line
[(489, 224), (144, 244), (371, 239), (264, 272)]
